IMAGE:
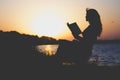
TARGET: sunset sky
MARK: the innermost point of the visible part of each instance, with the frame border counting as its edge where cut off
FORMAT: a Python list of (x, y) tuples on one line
[(49, 17)]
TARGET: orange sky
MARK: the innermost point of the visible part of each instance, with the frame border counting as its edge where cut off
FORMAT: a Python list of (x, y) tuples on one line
[(49, 17)]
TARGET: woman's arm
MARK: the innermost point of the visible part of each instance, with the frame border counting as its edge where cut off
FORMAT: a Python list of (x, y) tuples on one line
[(77, 37)]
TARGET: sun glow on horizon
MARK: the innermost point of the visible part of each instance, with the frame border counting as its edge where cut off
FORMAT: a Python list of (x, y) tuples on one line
[(49, 17), (48, 24)]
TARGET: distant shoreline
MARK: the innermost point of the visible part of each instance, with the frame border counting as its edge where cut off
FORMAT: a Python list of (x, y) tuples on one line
[(107, 41), (44, 40)]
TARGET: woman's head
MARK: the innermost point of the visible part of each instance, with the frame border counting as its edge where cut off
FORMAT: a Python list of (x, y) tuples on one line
[(93, 17)]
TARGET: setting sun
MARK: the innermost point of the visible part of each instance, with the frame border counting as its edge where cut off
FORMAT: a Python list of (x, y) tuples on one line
[(48, 24)]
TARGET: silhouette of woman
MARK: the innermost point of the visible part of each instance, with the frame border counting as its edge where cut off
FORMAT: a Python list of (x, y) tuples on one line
[(94, 29), (79, 50)]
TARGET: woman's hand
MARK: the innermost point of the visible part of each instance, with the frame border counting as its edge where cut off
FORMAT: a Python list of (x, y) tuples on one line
[(77, 37)]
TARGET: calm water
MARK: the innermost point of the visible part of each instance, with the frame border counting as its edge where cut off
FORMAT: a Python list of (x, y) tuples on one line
[(103, 54), (47, 49)]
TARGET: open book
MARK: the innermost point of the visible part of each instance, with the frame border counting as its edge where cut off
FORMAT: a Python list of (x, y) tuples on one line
[(74, 28)]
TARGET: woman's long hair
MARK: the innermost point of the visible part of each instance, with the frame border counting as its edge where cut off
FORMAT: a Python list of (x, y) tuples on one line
[(94, 18)]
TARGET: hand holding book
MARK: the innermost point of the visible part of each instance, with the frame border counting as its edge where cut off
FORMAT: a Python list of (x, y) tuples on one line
[(75, 30)]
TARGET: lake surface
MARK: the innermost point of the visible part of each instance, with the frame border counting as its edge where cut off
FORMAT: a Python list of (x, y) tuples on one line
[(102, 54)]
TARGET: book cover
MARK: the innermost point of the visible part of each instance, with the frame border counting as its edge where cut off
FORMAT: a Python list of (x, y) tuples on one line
[(74, 28)]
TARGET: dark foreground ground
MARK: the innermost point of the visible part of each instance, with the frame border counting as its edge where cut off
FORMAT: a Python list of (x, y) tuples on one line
[(20, 61), (60, 73)]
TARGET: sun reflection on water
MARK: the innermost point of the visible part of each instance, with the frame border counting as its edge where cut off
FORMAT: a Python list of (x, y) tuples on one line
[(48, 50)]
